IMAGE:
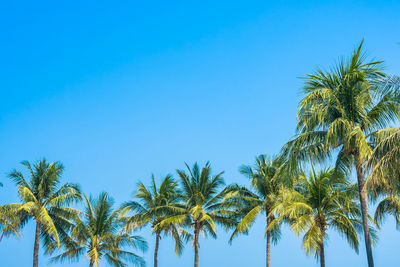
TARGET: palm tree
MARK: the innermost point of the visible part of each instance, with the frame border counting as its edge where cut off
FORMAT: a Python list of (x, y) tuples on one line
[(45, 201), (340, 113), (154, 205), (319, 202), (203, 204), (267, 180), (98, 233)]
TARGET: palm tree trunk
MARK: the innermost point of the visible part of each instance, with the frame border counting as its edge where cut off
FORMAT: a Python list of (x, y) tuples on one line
[(364, 211), (196, 244), (91, 263), (156, 249), (268, 243), (322, 249), (36, 246)]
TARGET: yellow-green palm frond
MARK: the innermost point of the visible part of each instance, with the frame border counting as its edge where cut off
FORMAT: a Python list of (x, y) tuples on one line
[(390, 205), (312, 240), (48, 224)]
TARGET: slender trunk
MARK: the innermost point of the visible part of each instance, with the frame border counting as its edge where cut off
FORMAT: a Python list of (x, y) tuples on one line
[(91, 263), (156, 249), (268, 242), (364, 211), (322, 252), (196, 244), (36, 246)]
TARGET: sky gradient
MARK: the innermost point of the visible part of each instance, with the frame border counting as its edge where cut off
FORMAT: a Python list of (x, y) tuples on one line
[(117, 91)]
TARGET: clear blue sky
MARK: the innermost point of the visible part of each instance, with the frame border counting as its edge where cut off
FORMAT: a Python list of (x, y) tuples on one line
[(117, 90)]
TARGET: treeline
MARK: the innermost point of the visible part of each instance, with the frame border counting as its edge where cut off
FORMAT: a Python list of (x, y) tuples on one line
[(346, 119)]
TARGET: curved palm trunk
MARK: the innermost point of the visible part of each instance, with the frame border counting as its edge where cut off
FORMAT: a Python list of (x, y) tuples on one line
[(36, 246), (268, 243), (364, 211), (196, 245), (156, 249)]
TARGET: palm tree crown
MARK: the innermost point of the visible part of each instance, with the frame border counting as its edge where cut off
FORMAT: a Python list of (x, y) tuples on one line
[(203, 204), (98, 234), (153, 206), (317, 203)]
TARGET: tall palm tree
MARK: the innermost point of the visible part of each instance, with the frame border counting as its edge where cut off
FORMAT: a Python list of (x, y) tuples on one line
[(319, 202), (340, 113), (203, 204), (44, 200), (267, 180), (154, 205), (99, 234)]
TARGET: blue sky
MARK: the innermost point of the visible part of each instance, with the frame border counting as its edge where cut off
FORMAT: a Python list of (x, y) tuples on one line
[(119, 90)]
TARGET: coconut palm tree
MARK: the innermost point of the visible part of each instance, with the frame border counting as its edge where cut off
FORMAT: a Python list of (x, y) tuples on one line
[(267, 180), (203, 204), (339, 115), (154, 205), (317, 203), (98, 234), (45, 201)]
